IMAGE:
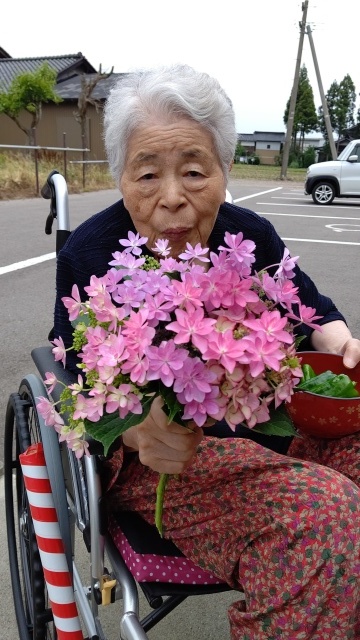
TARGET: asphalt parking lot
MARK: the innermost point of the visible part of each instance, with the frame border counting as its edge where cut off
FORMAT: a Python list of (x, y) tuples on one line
[(326, 238)]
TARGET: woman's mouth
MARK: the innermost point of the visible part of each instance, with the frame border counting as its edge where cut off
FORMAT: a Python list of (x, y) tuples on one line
[(175, 234)]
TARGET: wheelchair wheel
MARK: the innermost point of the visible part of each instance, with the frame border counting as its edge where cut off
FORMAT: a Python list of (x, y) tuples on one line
[(34, 617)]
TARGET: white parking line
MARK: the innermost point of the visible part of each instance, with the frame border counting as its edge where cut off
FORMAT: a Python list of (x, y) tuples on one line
[(304, 215), (279, 204), (50, 256), (256, 195), (356, 244), (27, 263)]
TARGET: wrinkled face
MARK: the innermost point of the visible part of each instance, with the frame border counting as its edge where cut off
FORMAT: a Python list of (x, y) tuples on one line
[(173, 183)]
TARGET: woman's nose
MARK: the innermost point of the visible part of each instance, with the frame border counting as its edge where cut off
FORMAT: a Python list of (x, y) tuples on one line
[(172, 194)]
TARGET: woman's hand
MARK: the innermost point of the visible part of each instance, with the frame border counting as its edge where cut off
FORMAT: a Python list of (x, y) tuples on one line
[(335, 337), (351, 352), (166, 448)]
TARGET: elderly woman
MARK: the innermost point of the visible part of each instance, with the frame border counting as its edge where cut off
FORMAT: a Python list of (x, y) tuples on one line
[(283, 530)]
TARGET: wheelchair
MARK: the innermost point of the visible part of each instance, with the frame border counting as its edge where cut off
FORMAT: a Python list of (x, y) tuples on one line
[(117, 551)]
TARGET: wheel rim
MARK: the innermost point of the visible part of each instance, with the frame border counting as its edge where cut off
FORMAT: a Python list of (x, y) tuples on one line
[(323, 193)]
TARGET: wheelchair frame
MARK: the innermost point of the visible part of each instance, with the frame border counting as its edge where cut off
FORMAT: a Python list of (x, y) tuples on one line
[(76, 490)]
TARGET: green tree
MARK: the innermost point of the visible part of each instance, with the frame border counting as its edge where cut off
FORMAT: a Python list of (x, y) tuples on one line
[(305, 117), (240, 151), (341, 103), (27, 92)]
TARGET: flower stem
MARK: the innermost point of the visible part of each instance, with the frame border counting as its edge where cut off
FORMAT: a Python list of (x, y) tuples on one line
[(159, 507)]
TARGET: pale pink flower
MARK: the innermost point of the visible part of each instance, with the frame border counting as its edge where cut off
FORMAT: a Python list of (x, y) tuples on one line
[(127, 262), (47, 410), (286, 266), (77, 387), (123, 400), (194, 253), (133, 243), (97, 286), (74, 303), (59, 350), (50, 381), (75, 441), (81, 409), (162, 247)]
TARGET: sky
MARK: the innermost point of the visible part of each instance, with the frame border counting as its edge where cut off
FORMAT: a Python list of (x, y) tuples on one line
[(250, 46)]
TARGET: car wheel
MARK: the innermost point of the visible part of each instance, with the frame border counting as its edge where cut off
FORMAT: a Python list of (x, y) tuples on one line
[(323, 193)]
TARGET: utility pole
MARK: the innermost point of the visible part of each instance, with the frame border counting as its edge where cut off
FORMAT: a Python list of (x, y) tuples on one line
[(290, 122), (322, 95)]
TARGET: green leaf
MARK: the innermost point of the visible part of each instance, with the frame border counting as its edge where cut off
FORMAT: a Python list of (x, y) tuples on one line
[(173, 408), (111, 426), (280, 424)]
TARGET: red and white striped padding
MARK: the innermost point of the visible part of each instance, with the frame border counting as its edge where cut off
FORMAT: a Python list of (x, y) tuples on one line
[(51, 547)]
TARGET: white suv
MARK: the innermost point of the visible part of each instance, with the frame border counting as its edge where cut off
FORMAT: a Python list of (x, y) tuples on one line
[(336, 178)]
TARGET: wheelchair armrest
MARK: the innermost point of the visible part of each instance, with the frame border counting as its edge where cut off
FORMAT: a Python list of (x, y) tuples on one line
[(44, 361)]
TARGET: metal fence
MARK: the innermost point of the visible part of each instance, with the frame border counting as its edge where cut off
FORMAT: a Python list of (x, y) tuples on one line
[(64, 150)]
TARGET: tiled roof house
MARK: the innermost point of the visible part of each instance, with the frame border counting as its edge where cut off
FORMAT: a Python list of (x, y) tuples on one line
[(58, 126)]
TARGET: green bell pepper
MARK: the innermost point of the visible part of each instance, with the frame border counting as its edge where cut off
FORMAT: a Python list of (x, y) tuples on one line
[(329, 384)]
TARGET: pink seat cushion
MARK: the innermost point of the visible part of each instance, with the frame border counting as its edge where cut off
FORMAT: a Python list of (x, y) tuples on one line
[(152, 559)]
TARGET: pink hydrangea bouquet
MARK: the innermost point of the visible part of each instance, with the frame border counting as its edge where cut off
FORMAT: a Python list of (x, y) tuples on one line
[(205, 333)]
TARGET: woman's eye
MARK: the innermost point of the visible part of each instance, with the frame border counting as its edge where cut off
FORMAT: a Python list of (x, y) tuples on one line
[(148, 176), (194, 174)]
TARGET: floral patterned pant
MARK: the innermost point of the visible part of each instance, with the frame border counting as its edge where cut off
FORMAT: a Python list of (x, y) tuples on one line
[(283, 530)]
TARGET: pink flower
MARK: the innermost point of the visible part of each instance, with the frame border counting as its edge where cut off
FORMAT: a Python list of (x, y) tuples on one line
[(200, 411), (191, 325), (137, 367), (185, 293), (165, 361), (240, 250), (307, 316), (270, 324), (193, 381), (225, 349), (262, 353)]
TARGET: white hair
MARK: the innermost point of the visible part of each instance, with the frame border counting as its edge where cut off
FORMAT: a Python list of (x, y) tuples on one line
[(173, 90)]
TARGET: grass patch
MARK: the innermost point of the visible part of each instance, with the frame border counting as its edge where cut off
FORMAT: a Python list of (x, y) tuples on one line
[(18, 174), (265, 172)]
